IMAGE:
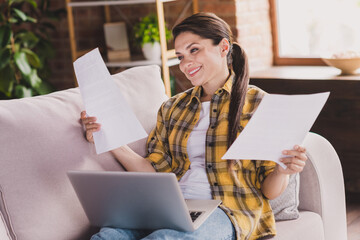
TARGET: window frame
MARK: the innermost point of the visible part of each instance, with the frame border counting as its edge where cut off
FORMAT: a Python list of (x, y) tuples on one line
[(286, 61)]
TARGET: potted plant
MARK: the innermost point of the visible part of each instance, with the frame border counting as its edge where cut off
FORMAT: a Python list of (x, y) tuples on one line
[(146, 33), (25, 47)]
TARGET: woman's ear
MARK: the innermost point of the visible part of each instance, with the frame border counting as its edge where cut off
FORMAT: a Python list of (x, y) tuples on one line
[(224, 47)]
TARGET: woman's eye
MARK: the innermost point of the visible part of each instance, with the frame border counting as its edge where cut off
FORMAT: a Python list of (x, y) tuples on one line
[(194, 50), (180, 58)]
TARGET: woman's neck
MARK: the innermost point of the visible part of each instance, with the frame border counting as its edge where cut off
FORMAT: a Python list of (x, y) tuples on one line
[(209, 89)]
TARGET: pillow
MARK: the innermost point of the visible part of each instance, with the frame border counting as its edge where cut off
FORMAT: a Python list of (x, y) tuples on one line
[(285, 207), (144, 98), (42, 138)]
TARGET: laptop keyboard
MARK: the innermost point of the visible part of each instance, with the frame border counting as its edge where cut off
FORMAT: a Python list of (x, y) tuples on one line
[(195, 215)]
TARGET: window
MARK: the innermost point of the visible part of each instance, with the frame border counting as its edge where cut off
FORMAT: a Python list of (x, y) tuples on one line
[(304, 31)]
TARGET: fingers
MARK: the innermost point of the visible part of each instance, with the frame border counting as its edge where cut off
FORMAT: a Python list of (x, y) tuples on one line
[(83, 114), (90, 125), (295, 160), (299, 155), (299, 148), (87, 120), (293, 163), (298, 152)]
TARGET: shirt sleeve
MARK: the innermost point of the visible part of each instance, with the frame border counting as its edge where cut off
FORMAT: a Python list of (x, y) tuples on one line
[(263, 169), (157, 144)]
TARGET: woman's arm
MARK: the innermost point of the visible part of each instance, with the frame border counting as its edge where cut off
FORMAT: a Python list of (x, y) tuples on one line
[(276, 182), (130, 160)]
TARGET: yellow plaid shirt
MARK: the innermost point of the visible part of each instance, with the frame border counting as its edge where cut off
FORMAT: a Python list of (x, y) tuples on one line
[(242, 200)]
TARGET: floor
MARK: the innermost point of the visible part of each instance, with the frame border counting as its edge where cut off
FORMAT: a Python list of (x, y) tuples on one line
[(353, 221)]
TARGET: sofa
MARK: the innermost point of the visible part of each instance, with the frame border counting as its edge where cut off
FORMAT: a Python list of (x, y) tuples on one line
[(42, 138)]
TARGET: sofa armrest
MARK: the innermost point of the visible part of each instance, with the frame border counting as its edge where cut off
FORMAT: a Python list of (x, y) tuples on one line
[(322, 186), (4, 232)]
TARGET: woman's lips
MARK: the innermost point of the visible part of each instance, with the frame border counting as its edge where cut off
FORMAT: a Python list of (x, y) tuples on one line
[(194, 71)]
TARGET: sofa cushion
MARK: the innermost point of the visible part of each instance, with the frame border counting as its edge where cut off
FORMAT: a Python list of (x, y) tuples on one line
[(285, 207), (42, 138), (308, 226)]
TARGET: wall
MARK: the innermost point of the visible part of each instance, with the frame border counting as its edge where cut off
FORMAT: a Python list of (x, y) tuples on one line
[(249, 20), (254, 32)]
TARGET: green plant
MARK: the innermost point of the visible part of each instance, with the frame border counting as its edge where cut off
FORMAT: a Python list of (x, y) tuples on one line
[(25, 47), (147, 30)]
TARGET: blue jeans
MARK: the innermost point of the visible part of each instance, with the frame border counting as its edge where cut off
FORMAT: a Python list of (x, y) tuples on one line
[(218, 226)]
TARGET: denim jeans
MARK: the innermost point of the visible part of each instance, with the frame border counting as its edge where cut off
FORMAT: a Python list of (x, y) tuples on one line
[(218, 226)]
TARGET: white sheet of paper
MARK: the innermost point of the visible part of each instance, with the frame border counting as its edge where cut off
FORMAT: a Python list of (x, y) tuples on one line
[(279, 123), (103, 99)]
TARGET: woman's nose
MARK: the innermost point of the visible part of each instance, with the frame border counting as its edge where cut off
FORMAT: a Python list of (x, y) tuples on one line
[(186, 62)]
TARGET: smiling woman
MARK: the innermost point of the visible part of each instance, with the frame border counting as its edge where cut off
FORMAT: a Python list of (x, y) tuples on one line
[(214, 111), (202, 62)]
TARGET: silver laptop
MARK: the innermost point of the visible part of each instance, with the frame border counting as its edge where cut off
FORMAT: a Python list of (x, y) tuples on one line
[(133, 200)]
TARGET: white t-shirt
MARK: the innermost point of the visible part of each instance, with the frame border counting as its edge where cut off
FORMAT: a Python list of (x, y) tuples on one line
[(195, 184)]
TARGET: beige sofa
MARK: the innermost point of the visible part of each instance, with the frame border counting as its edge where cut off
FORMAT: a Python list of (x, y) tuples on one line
[(41, 138)]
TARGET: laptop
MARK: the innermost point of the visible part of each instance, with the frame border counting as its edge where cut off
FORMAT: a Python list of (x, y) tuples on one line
[(137, 200)]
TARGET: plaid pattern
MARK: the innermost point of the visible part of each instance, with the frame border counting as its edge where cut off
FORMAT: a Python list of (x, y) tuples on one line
[(241, 196)]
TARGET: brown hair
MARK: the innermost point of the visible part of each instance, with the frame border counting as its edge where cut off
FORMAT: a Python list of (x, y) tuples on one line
[(210, 26)]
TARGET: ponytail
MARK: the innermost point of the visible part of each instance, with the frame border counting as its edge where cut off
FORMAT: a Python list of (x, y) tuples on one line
[(239, 64), (239, 89)]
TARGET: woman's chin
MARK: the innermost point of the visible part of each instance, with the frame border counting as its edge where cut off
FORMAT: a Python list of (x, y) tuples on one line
[(195, 82)]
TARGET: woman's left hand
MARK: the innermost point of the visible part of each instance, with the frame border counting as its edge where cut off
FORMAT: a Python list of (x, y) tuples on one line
[(295, 160)]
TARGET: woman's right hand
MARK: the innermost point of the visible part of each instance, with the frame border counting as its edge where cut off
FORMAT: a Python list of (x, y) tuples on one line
[(90, 126)]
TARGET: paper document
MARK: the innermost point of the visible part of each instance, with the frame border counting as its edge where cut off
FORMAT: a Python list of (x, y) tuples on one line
[(103, 99), (279, 123)]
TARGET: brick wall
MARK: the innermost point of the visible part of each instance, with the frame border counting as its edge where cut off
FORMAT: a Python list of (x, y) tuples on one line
[(249, 20), (254, 32)]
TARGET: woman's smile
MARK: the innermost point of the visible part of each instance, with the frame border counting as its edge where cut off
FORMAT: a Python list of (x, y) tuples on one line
[(192, 72)]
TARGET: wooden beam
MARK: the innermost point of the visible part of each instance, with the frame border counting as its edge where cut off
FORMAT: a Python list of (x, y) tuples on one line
[(163, 45)]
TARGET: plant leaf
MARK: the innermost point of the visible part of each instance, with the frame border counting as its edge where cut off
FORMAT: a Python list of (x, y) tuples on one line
[(44, 88), (32, 2), (7, 79), (5, 54), (22, 63), (5, 35), (31, 19), (13, 20), (27, 39), (22, 91), (20, 14), (45, 49), (33, 58), (33, 79)]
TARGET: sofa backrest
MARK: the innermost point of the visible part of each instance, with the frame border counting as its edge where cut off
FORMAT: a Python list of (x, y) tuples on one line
[(42, 138)]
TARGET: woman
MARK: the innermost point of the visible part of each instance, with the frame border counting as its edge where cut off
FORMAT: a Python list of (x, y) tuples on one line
[(194, 130)]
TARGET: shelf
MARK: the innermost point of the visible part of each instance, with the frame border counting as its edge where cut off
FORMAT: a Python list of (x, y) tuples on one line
[(108, 3), (168, 57)]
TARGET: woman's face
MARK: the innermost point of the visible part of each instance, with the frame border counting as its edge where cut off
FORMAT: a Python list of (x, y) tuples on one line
[(202, 62)]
